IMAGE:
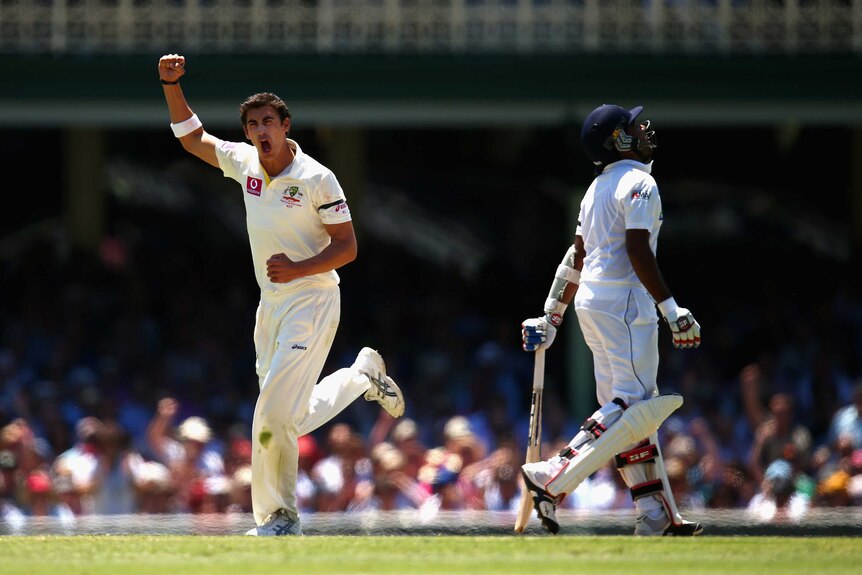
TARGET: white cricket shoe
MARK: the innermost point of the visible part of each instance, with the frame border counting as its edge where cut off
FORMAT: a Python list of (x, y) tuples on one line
[(278, 523), (383, 389), (544, 503), (662, 525)]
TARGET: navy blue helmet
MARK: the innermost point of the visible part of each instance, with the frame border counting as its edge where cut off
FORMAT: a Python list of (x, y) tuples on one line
[(604, 136)]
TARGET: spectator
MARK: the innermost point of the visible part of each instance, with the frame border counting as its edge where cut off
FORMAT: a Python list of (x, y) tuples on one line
[(834, 491), (780, 436), (778, 501), (240, 494), (734, 488), (497, 478), (113, 490), (460, 440), (338, 474), (154, 486), (847, 421), (42, 500), (238, 455), (306, 488), (686, 496), (855, 487), (75, 469), (438, 478), (389, 488), (211, 494), (405, 437), (187, 456)]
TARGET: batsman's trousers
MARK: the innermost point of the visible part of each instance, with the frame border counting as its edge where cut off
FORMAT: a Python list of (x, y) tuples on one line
[(620, 326)]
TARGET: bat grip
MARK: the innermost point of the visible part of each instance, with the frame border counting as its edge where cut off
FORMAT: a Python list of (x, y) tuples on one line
[(539, 369)]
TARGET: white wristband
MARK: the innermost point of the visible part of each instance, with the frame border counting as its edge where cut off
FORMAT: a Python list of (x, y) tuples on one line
[(667, 306), (186, 127), (554, 310)]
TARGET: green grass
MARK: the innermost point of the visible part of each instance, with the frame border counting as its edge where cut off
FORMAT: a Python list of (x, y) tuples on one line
[(535, 555)]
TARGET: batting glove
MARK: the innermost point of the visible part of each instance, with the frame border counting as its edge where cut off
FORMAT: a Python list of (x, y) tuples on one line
[(683, 326), (537, 333)]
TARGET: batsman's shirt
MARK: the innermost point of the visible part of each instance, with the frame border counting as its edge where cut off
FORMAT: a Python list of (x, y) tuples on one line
[(623, 197), (285, 214)]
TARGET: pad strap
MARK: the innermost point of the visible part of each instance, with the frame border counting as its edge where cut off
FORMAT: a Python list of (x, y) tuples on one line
[(594, 428), (648, 488), (640, 454), (621, 403), (568, 452)]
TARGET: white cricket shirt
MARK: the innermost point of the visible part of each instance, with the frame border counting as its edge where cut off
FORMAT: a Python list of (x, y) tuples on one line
[(285, 214), (623, 197)]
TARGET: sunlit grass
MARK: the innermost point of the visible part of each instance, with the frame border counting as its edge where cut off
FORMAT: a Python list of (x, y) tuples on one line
[(539, 555)]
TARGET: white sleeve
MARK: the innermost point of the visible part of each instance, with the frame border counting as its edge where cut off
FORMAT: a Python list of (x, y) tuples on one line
[(330, 201), (232, 156), (642, 206), (578, 231)]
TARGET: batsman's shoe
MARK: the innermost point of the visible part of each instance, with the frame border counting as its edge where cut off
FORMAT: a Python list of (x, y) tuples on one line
[(383, 388), (278, 523), (544, 503), (645, 526)]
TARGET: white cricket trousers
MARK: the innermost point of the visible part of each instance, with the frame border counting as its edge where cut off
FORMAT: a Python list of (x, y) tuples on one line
[(292, 336), (620, 326)]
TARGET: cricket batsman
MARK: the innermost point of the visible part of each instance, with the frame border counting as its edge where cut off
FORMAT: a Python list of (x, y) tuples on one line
[(612, 276)]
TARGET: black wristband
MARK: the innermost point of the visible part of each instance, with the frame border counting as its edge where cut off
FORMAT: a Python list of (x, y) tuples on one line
[(170, 83)]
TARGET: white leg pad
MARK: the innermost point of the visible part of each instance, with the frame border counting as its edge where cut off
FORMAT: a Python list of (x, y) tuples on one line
[(636, 423), (650, 487)]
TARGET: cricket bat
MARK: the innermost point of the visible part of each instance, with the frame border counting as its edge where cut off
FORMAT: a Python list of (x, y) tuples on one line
[(534, 440)]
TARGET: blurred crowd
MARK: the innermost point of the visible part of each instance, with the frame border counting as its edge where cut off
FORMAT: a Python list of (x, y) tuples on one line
[(115, 406), (127, 385)]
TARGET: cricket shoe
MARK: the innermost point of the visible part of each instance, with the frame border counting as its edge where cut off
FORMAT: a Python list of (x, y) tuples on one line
[(662, 525), (544, 503), (278, 523), (383, 389)]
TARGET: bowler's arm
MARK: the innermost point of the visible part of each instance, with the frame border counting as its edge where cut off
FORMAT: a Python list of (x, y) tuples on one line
[(196, 142)]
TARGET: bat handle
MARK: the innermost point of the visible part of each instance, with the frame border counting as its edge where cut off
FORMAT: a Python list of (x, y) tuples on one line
[(539, 369)]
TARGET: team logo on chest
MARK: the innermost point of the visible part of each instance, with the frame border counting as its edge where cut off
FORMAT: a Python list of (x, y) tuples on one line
[(291, 197)]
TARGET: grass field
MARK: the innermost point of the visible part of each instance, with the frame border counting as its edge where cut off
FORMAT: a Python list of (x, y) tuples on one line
[(500, 555)]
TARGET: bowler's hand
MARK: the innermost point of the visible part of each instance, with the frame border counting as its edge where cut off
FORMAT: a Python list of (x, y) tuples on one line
[(171, 67), (281, 269)]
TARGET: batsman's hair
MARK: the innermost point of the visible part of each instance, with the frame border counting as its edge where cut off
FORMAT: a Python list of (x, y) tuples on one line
[(260, 100)]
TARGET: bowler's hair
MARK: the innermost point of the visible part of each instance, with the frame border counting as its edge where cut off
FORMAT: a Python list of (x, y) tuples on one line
[(261, 100)]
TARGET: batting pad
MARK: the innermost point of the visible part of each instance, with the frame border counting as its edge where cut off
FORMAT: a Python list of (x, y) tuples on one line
[(635, 424)]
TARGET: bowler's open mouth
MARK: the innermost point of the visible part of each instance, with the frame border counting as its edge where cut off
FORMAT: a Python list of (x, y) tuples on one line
[(266, 146)]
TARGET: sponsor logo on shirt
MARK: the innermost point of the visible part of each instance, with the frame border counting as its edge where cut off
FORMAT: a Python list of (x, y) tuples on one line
[(297, 346), (291, 197), (641, 194), (253, 186)]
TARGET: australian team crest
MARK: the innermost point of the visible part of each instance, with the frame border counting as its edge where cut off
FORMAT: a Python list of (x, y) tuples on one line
[(292, 196)]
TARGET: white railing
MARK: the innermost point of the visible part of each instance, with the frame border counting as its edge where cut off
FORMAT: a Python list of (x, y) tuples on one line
[(431, 26)]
